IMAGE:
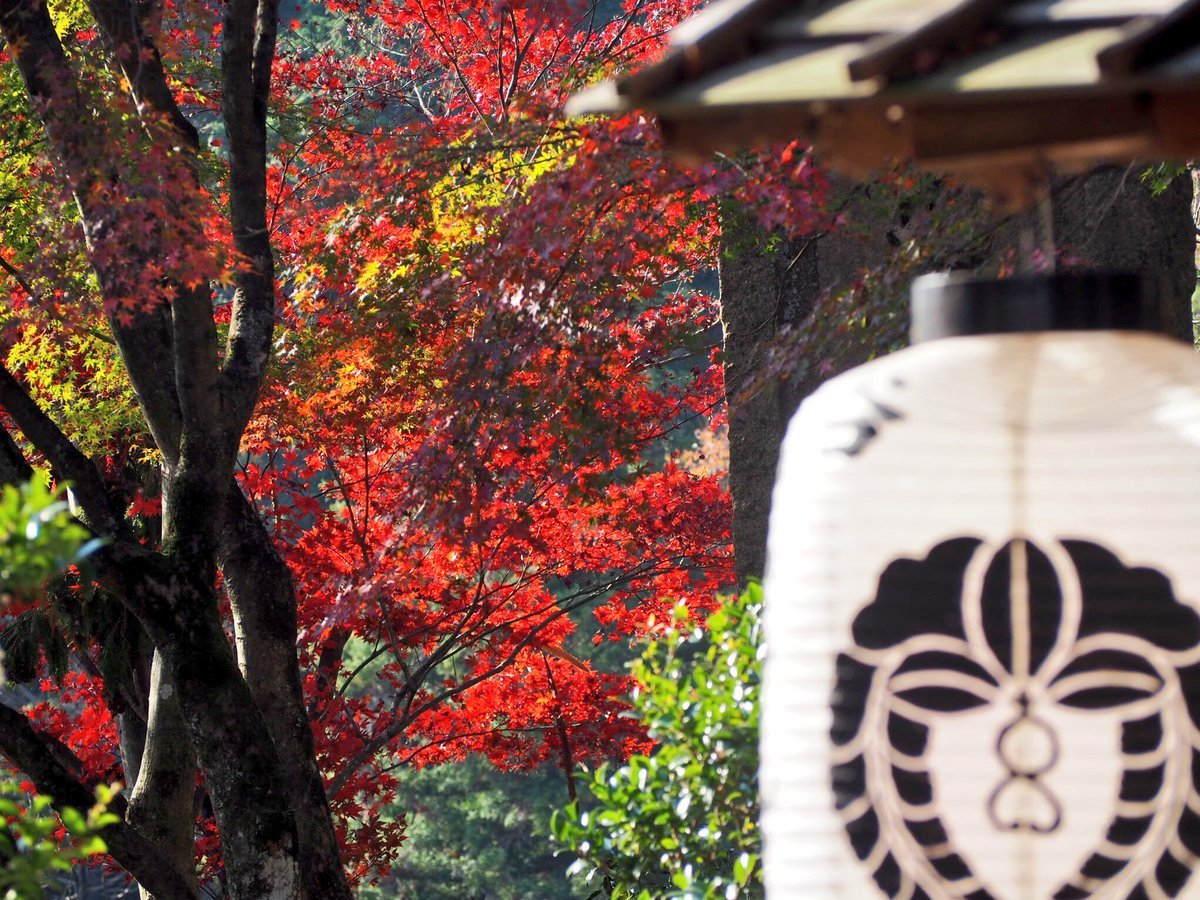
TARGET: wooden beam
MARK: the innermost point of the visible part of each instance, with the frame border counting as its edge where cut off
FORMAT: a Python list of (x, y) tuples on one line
[(1015, 180), (860, 139), (1152, 41), (721, 34), (855, 138), (696, 138), (954, 128), (1177, 114), (1076, 13), (899, 55)]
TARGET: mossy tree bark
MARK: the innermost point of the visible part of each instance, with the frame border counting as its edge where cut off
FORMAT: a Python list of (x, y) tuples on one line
[(241, 720)]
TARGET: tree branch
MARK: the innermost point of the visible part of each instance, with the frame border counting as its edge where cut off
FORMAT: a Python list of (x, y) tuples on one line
[(141, 64), (247, 51), (52, 85), (57, 772), (64, 457), (14, 468), (87, 156), (193, 333), (19, 278)]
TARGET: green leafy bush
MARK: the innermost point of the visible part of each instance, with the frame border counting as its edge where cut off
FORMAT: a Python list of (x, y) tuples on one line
[(29, 848), (683, 822), (38, 539), (38, 536)]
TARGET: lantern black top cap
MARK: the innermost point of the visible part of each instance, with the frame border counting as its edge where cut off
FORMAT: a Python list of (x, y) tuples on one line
[(953, 304)]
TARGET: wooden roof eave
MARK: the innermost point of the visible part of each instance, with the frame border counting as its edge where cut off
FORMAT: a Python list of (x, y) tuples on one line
[(975, 141), (715, 36), (925, 127), (860, 134), (890, 56), (1120, 87)]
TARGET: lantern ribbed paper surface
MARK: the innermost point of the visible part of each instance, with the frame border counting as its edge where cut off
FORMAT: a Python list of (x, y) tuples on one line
[(983, 669)]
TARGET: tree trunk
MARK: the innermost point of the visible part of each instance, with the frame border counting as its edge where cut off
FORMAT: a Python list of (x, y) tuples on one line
[(762, 291), (263, 597), (1108, 219), (246, 726), (162, 802)]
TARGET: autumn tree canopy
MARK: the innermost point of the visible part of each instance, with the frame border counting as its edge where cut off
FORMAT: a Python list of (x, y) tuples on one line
[(364, 365)]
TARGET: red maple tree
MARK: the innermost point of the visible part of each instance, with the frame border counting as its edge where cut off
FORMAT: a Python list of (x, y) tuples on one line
[(362, 361)]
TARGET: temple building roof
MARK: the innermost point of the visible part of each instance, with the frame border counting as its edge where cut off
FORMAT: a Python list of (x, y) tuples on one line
[(993, 89)]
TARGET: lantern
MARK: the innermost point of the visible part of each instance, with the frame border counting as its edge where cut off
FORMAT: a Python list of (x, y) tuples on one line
[(983, 608)]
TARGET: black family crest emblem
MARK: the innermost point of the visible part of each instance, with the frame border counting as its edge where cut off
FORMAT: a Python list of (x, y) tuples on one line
[(1021, 721)]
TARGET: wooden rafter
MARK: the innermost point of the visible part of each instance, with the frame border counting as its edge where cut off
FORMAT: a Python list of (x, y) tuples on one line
[(706, 42), (967, 85), (1152, 41), (896, 56)]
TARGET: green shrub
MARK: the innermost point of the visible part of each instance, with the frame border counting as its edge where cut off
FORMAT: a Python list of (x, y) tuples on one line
[(30, 852), (682, 822), (38, 539)]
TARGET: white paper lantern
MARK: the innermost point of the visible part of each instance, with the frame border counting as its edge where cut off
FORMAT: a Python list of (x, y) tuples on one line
[(983, 667)]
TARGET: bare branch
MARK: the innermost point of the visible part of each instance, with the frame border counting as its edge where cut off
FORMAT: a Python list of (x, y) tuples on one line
[(141, 64), (64, 457), (14, 468), (57, 772), (247, 50)]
